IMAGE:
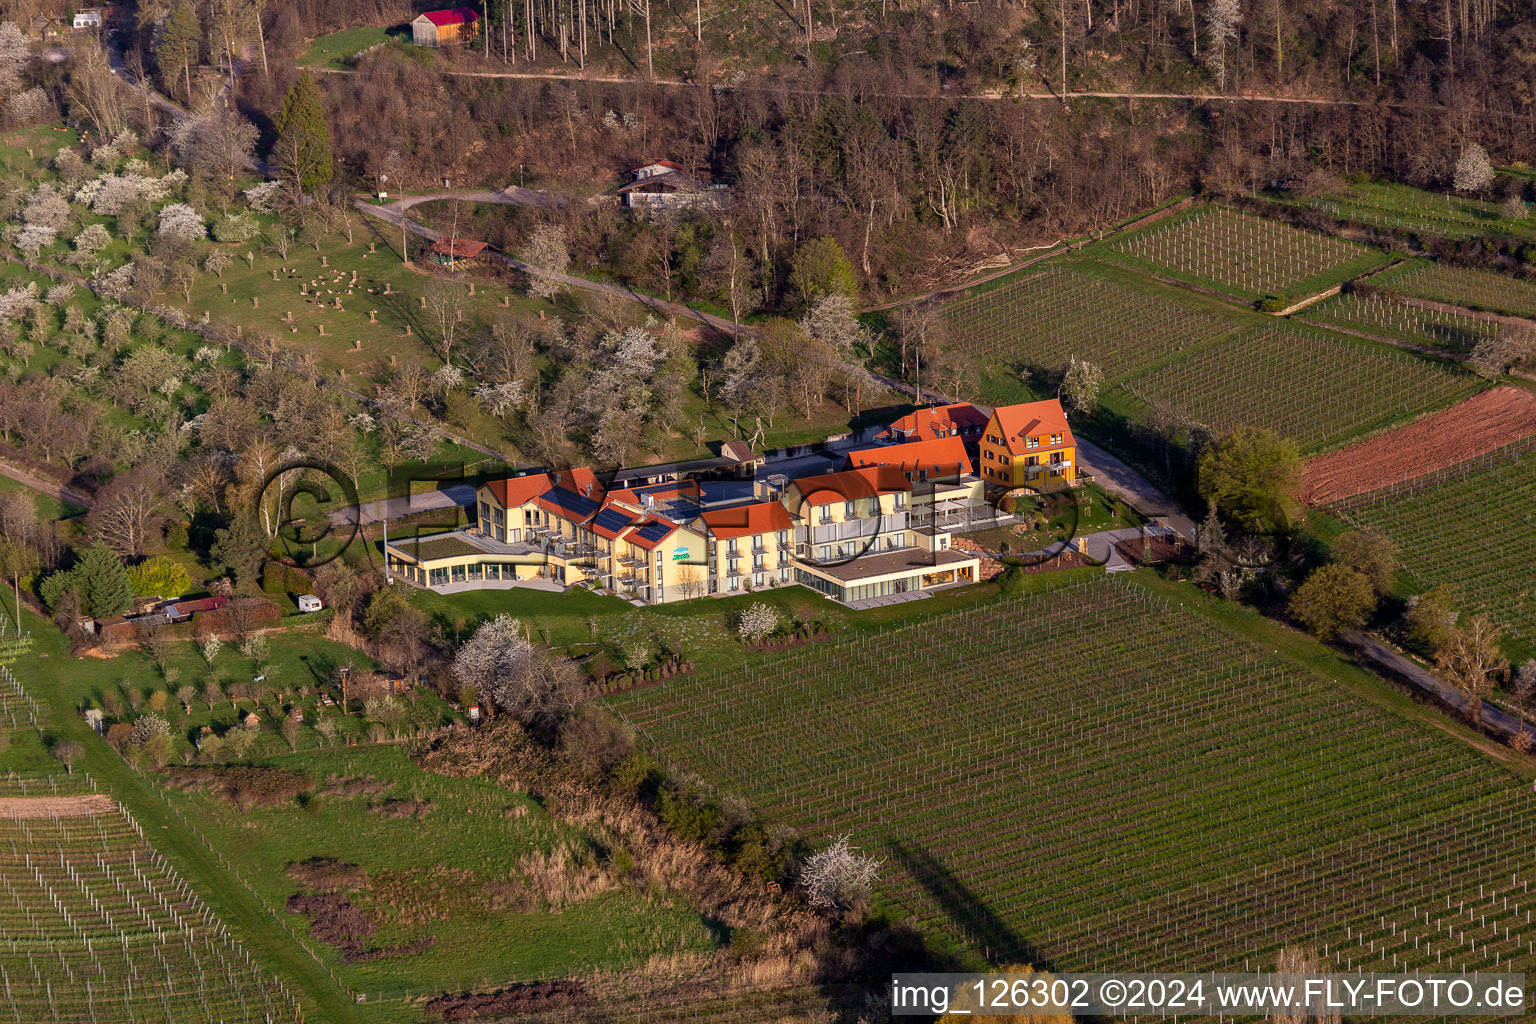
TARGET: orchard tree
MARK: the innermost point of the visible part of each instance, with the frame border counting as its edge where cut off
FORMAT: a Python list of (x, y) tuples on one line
[(1252, 475), (757, 623), (68, 752), (832, 319), (1474, 171), (1080, 385), (839, 877), (1333, 598), (501, 663), (303, 149), (1370, 553)]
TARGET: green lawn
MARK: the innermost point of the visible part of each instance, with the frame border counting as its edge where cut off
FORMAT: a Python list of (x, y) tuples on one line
[(337, 49)]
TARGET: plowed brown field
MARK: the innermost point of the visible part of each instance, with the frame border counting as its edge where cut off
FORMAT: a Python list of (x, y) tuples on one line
[(1464, 431), (56, 806)]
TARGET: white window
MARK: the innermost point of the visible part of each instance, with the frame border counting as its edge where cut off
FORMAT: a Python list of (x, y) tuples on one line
[(757, 579), (734, 583), (848, 510), (824, 552), (783, 538)]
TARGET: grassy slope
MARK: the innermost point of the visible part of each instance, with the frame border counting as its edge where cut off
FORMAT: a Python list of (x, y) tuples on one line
[(436, 876)]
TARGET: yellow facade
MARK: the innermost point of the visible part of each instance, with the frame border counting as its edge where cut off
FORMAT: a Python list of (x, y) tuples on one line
[(1044, 460)]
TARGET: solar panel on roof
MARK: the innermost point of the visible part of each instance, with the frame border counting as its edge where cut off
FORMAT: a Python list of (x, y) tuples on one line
[(613, 519), (655, 531), (570, 501)]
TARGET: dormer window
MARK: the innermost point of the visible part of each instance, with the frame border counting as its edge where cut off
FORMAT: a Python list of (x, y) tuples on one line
[(1032, 442), (1055, 439)]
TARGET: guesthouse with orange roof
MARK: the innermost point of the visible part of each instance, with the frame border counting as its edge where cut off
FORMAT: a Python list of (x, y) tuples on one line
[(1028, 445)]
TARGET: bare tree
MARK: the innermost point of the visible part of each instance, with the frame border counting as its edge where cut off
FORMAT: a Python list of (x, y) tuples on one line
[(446, 301), (127, 510), (548, 256), (1471, 662), (68, 752)]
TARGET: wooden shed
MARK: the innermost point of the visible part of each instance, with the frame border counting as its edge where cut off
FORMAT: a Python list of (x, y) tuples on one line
[(445, 27), (451, 251)]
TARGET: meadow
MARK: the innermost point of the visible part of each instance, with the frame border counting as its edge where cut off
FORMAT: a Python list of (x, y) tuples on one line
[(1243, 256), (1472, 527), (1135, 788), (1405, 208), (1461, 286), (1040, 319), (442, 870), (339, 49), (1334, 390)]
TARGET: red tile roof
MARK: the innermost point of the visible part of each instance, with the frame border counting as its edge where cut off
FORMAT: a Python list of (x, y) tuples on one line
[(1032, 419), (941, 456), (748, 520), (458, 248), (516, 491), (851, 484), (939, 421), (650, 533), (452, 16)]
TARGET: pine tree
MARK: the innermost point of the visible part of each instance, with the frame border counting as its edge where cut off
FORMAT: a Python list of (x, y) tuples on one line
[(102, 582), (240, 548), (303, 150), (176, 47)]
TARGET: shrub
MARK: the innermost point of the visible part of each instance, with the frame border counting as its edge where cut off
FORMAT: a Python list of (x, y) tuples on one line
[(1272, 303), (689, 816)]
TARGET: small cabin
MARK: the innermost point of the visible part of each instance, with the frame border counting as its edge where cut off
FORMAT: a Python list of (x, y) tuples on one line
[(450, 252), (455, 25), (310, 603), (664, 185)]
